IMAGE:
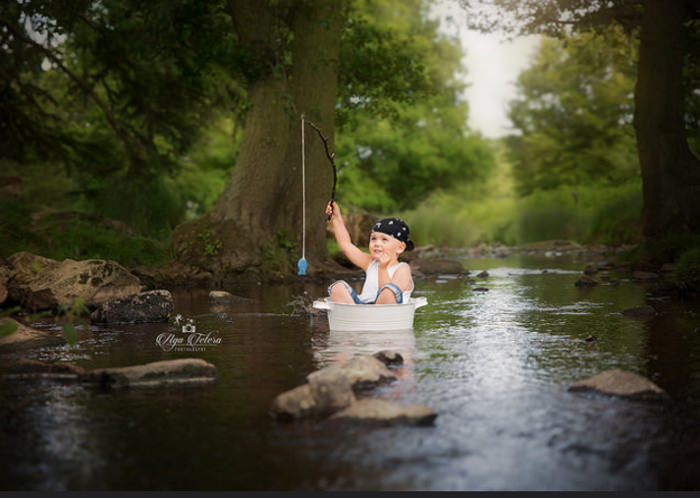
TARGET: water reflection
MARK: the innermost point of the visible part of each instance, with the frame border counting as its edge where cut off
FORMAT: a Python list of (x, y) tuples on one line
[(495, 365)]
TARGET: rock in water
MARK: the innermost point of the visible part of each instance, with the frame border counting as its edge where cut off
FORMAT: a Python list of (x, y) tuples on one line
[(362, 372), (40, 283), (379, 411), (28, 369), (167, 373), (586, 281), (26, 338), (642, 312), (389, 358), (321, 397), (621, 383), (145, 307)]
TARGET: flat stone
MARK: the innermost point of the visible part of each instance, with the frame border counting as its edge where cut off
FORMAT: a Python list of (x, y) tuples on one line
[(27, 338), (159, 374), (379, 411), (220, 297), (362, 372), (27, 368), (642, 312), (145, 307), (620, 383)]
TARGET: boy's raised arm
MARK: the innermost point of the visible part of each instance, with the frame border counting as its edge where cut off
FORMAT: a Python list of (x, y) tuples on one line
[(342, 237)]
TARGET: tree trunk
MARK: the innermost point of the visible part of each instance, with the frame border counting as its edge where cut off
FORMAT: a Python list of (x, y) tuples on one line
[(256, 224), (670, 172)]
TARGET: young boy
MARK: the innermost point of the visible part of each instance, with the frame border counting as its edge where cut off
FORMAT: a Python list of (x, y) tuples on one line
[(386, 281)]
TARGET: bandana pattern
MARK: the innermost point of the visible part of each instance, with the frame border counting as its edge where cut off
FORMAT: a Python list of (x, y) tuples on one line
[(396, 228)]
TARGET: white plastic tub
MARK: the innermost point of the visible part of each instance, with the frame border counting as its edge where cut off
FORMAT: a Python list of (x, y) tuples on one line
[(342, 316)]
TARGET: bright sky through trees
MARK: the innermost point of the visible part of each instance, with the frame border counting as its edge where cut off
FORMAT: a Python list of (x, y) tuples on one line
[(492, 63)]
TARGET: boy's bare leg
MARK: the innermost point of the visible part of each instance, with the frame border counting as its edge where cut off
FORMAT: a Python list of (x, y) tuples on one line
[(339, 294), (386, 297)]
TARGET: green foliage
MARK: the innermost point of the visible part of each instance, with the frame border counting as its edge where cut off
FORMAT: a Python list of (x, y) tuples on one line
[(74, 313), (574, 114), (76, 235), (8, 328), (212, 245), (402, 130)]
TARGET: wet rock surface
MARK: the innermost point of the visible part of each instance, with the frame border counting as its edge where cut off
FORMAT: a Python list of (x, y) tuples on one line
[(382, 412), (27, 338), (621, 383), (362, 372), (182, 372), (28, 369), (40, 283), (320, 397), (331, 391), (145, 307)]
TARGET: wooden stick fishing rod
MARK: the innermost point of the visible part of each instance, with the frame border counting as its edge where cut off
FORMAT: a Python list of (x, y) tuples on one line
[(330, 155)]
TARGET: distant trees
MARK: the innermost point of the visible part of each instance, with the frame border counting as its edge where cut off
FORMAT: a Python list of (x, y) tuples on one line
[(574, 113), (119, 91), (667, 36), (402, 135)]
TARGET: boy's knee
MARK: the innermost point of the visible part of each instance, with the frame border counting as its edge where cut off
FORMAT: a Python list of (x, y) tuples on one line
[(339, 293), (386, 296)]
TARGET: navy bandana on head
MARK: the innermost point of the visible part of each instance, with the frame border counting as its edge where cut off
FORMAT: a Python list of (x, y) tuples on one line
[(396, 228)]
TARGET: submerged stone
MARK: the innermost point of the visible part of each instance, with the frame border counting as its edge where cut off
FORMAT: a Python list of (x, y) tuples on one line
[(620, 383), (645, 311), (379, 411), (159, 374), (28, 369), (27, 338)]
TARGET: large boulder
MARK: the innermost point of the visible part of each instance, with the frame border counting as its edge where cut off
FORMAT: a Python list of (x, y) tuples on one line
[(618, 382), (182, 372), (362, 372), (382, 412), (145, 307), (320, 397), (27, 338), (40, 283), (437, 266)]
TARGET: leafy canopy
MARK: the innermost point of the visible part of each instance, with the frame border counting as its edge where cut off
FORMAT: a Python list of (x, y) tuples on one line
[(574, 113)]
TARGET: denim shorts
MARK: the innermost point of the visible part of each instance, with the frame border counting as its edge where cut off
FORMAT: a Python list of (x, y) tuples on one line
[(392, 287)]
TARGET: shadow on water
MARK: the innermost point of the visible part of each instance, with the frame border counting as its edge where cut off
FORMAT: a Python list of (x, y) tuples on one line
[(494, 364)]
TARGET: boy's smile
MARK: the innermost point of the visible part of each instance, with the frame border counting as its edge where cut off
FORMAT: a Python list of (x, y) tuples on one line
[(380, 243)]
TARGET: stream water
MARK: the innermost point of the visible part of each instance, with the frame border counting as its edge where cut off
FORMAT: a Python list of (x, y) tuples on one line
[(495, 365)]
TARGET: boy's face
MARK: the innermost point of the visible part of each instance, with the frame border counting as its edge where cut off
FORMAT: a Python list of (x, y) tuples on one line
[(382, 243)]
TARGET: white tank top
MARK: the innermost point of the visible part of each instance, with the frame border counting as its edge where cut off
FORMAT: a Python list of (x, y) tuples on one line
[(371, 285)]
